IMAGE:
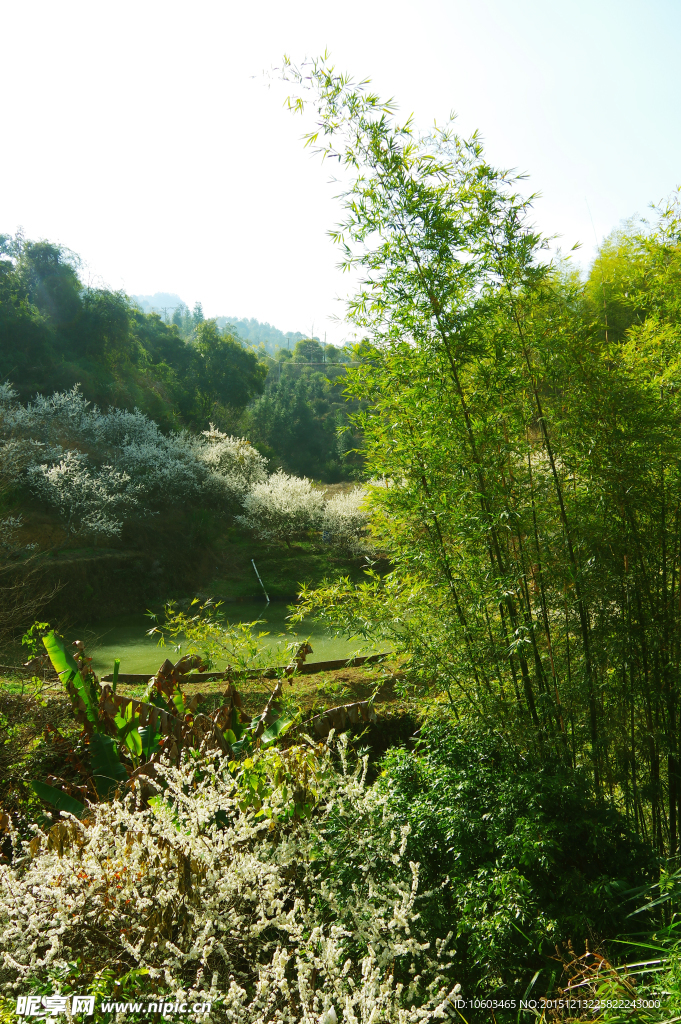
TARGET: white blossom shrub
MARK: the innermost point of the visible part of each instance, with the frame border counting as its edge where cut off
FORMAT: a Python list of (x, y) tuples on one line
[(232, 459), (88, 502), (61, 441), (8, 531), (9, 528), (99, 468), (345, 522), (251, 915), (282, 508), (18, 454)]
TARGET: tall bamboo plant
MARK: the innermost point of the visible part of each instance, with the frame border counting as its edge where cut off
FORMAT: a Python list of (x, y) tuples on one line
[(529, 454)]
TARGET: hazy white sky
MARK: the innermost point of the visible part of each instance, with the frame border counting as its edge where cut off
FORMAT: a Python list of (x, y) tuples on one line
[(143, 136)]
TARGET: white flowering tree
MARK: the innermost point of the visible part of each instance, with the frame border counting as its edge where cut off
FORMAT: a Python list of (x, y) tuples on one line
[(346, 519), (233, 460), (282, 508), (88, 502), (98, 468)]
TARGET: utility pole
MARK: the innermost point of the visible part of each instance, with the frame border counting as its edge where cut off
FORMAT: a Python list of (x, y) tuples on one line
[(164, 310)]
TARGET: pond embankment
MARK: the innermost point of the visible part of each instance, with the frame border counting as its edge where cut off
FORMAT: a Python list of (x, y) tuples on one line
[(95, 584)]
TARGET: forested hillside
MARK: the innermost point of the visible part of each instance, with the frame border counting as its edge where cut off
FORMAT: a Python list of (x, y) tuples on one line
[(55, 332), (107, 459), (180, 369), (257, 334)]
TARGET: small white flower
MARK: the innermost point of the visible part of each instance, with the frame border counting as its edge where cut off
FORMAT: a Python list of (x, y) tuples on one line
[(345, 522), (283, 507), (226, 893)]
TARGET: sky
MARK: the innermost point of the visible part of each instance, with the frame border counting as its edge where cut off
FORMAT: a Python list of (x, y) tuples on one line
[(147, 138)]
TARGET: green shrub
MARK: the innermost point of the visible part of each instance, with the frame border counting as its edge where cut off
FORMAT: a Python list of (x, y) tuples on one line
[(517, 853)]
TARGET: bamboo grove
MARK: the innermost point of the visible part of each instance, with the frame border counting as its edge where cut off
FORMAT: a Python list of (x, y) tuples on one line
[(524, 438)]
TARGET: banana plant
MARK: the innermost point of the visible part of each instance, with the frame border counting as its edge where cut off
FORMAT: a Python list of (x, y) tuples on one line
[(125, 736), (83, 691)]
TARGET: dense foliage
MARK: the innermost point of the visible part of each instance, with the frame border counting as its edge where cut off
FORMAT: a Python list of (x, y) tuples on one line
[(515, 853), (529, 452), (303, 422)]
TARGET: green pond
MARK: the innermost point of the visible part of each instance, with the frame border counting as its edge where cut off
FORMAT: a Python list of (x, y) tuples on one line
[(125, 638)]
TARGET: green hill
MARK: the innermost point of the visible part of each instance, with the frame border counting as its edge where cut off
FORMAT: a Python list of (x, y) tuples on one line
[(55, 332)]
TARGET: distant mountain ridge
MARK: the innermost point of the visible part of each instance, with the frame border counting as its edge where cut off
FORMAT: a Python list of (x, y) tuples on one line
[(253, 332)]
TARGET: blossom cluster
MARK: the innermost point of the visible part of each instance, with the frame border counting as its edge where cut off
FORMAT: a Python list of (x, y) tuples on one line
[(256, 914), (97, 468), (346, 521), (282, 507)]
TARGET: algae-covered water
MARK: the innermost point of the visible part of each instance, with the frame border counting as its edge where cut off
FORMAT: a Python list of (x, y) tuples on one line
[(125, 638)]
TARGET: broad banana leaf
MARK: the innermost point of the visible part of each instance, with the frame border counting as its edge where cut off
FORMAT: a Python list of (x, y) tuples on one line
[(176, 702), (276, 729), (127, 723), (107, 770), (66, 668), (58, 798), (150, 740)]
